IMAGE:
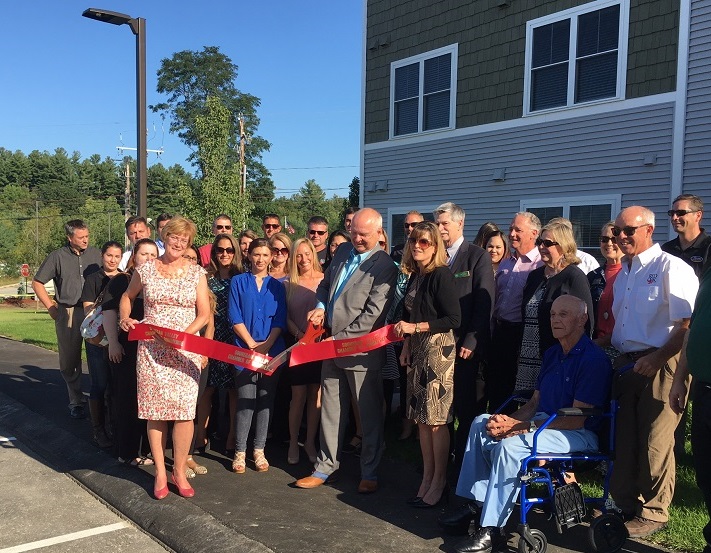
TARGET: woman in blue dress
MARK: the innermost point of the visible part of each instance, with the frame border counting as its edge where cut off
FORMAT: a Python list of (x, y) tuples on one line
[(257, 312)]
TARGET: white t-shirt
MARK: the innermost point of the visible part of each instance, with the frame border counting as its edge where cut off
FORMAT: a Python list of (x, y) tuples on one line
[(658, 290), (587, 262), (124, 259)]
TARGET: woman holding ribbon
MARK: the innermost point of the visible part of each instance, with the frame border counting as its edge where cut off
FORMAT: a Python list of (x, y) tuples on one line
[(175, 296), (431, 313), (257, 312)]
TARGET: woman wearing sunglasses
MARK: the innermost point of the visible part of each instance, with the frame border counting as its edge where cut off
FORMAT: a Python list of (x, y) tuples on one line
[(225, 262), (559, 275), (602, 279), (431, 312), (280, 244)]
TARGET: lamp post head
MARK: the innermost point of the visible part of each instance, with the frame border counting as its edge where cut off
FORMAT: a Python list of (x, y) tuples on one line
[(115, 18)]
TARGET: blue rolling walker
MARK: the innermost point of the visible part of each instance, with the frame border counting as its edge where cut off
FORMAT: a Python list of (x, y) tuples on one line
[(566, 503)]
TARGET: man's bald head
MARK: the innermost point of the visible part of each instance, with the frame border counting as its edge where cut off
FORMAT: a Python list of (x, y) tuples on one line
[(568, 317), (365, 228)]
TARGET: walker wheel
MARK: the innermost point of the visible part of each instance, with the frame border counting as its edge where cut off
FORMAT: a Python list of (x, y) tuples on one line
[(607, 534), (538, 542)]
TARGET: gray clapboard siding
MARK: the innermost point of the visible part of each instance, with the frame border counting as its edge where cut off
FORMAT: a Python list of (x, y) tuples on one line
[(576, 157)]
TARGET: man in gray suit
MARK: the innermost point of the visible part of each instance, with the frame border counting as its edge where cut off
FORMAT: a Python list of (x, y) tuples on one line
[(353, 299)]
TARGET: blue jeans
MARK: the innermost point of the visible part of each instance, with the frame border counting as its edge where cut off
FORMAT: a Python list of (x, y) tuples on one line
[(98, 361), (490, 468), (255, 400)]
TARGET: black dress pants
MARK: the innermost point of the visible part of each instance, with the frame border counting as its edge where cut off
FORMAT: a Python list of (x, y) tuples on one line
[(701, 446), (502, 362)]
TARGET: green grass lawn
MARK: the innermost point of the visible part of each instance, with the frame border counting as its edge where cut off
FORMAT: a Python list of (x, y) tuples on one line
[(29, 326)]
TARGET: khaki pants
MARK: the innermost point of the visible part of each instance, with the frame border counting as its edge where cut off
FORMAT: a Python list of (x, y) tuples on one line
[(69, 341), (645, 472)]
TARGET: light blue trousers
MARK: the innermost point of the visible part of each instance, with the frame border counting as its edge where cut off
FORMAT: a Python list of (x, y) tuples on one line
[(490, 468)]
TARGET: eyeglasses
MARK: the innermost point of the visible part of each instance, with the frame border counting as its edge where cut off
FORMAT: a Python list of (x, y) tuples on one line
[(267, 225), (190, 258), (229, 250), (423, 243), (606, 239), (547, 243), (223, 227), (680, 212), (629, 231), (177, 240), (411, 225), (319, 232), (282, 251)]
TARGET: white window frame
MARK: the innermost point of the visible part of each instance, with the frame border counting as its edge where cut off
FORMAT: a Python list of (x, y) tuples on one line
[(573, 14), (420, 58), (615, 201)]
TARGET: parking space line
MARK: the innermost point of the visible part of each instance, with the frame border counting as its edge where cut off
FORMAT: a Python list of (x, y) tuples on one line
[(65, 538)]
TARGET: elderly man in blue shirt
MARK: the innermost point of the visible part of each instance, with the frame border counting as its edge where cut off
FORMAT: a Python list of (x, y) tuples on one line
[(575, 373)]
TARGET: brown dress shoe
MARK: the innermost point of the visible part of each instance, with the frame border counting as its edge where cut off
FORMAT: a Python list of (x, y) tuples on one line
[(368, 486), (640, 527), (309, 482)]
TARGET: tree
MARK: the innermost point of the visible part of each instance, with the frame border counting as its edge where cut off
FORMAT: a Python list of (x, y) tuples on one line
[(189, 78)]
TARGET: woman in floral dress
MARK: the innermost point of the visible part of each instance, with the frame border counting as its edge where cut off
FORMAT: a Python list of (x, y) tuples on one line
[(175, 296)]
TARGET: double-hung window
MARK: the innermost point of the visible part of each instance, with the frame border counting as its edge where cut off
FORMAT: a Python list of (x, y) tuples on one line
[(576, 56), (423, 92)]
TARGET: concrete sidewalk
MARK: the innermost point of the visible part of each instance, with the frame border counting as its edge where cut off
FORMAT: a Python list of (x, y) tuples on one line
[(254, 512)]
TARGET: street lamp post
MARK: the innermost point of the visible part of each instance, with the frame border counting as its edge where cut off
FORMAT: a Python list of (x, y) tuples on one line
[(138, 27)]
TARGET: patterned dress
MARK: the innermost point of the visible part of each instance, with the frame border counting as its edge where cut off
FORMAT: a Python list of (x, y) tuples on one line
[(168, 378), (221, 374), (529, 361)]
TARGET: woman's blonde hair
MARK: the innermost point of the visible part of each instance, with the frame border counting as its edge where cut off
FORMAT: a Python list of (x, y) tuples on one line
[(439, 259), (563, 234), (294, 265), (179, 226)]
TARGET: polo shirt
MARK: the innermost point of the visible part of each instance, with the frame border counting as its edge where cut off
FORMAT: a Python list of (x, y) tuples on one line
[(583, 374), (695, 255), (68, 270), (698, 345), (649, 297), (510, 281)]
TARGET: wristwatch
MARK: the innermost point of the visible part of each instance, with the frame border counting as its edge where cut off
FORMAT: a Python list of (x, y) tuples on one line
[(532, 426), (417, 328)]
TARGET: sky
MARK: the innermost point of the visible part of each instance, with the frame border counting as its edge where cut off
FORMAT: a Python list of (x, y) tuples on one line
[(69, 81)]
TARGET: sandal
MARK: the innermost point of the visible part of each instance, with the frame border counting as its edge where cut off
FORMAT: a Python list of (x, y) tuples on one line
[(137, 461), (197, 469), (260, 461), (239, 463), (189, 473)]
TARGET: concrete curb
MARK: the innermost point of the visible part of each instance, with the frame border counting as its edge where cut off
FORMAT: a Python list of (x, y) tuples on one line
[(175, 522)]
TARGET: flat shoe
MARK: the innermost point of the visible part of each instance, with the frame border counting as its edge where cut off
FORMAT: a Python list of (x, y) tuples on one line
[(309, 482), (368, 486), (196, 468)]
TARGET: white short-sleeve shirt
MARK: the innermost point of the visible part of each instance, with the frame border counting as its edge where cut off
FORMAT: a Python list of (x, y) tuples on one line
[(657, 291)]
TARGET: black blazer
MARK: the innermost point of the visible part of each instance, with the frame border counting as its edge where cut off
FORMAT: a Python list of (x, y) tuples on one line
[(435, 301), (474, 283), (570, 280)]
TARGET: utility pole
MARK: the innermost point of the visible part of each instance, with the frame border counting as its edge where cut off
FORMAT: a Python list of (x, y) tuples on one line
[(242, 162)]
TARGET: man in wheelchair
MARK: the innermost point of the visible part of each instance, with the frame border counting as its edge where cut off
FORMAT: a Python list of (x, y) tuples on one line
[(574, 373)]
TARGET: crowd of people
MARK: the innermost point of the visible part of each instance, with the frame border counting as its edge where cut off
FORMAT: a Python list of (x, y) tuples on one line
[(522, 308)]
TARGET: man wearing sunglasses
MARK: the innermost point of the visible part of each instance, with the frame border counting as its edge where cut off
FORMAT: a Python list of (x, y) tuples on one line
[(221, 225), (693, 244), (654, 295), (474, 280), (318, 234), (411, 220), (271, 224)]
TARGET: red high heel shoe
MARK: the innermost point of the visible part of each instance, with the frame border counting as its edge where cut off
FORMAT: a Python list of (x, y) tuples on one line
[(184, 492), (161, 493)]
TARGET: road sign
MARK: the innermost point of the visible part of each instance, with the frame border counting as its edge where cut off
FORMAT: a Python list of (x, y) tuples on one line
[(25, 270)]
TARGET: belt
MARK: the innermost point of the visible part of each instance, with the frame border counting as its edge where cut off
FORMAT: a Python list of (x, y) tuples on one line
[(503, 323), (636, 355)]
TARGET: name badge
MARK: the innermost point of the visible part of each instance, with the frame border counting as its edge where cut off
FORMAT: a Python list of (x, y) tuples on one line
[(462, 274)]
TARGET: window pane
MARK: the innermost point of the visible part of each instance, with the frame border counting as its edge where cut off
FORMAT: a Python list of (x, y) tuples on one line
[(598, 31), (407, 81), (549, 87), (545, 214), (436, 108), (551, 43), (438, 73), (596, 77), (397, 235), (406, 116), (587, 221)]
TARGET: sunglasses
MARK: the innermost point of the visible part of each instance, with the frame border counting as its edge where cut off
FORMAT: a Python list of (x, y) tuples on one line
[(267, 225), (319, 232), (547, 243), (229, 250), (680, 212), (629, 231), (223, 227), (423, 243), (282, 251), (411, 225), (606, 239)]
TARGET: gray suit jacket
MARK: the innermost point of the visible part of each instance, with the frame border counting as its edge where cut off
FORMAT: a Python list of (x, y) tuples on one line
[(362, 305)]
